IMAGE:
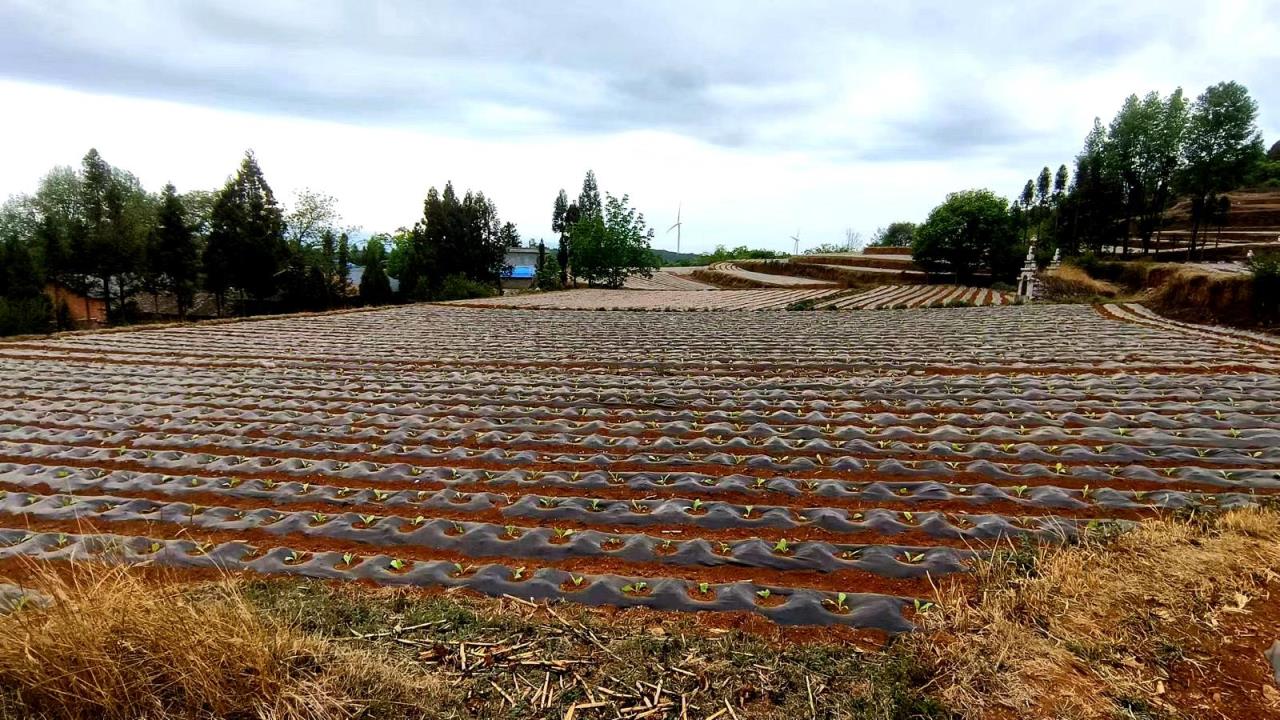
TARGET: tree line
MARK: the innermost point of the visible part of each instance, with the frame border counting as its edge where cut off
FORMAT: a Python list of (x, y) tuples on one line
[(1155, 151), (96, 233)]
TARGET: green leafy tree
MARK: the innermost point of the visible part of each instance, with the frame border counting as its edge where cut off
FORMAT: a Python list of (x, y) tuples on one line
[(342, 265), (173, 258), (612, 245), (970, 233), (375, 287), (898, 234), (313, 215), (1223, 144)]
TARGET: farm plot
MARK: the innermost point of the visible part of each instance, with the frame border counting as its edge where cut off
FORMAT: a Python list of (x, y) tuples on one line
[(917, 296), (708, 298), (814, 468)]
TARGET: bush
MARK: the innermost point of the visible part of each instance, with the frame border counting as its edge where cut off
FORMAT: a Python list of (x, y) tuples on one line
[(26, 316), (548, 277), (1266, 286), (461, 287)]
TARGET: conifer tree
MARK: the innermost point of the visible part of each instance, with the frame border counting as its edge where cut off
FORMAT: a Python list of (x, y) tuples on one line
[(174, 258)]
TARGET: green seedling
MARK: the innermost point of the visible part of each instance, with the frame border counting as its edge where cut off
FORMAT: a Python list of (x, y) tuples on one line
[(764, 594), (154, 547), (840, 603), (458, 528), (635, 588), (380, 495), (511, 531), (348, 558), (697, 505), (913, 558), (368, 519), (418, 520), (724, 548), (595, 506), (562, 533), (577, 580), (548, 502), (704, 588), (62, 540), (293, 558), (782, 547), (518, 573), (1019, 490), (907, 515), (747, 510), (397, 564), (319, 519)]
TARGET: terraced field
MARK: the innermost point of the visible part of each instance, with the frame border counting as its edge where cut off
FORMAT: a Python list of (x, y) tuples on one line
[(815, 468), (917, 296), (656, 299)]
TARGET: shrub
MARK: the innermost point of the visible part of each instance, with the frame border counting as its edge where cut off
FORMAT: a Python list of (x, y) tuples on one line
[(549, 274), (27, 315), (1266, 286), (461, 287)]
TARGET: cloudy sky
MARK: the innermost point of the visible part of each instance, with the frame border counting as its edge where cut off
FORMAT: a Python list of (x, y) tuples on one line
[(759, 118)]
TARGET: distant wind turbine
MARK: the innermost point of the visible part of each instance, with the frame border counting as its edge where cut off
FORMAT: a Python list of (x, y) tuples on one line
[(677, 227), (796, 237)]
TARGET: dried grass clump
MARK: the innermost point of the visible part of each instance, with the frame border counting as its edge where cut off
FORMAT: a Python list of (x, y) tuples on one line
[(1069, 282), (1203, 296), (1071, 631), (114, 645)]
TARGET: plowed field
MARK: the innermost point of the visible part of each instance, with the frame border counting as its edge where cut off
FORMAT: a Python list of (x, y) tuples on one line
[(816, 468)]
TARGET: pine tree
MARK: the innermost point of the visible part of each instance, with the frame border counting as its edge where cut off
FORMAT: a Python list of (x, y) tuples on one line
[(174, 257), (342, 265), (246, 236), (104, 248), (589, 204), (375, 288)]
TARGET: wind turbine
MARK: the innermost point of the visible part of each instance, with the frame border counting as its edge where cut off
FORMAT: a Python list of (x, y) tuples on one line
[(677, 227), (796, 237)]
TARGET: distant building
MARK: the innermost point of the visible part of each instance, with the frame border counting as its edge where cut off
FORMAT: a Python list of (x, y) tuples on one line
[(521, 267), (84, 310)]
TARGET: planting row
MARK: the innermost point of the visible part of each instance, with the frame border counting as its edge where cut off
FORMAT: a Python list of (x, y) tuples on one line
[(782, 605)]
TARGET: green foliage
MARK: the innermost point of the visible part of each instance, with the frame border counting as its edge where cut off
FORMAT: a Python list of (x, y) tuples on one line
[(246, 246), (611, 245), (26, 315), (970, 233), (375, 287), (548, 277), (1266, 286), (827, 249), (172, 256), (461, 287), (456, 237), (898, 234)]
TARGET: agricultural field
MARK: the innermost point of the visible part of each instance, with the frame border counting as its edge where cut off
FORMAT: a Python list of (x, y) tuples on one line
[(811, 468)]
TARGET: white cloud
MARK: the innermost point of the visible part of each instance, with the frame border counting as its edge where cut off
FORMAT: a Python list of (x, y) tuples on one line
[(759, 119)]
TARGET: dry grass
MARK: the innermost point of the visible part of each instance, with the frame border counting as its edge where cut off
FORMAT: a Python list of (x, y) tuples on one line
[(1203, 296), (1080, 632), (114, 645), (1069, 282)]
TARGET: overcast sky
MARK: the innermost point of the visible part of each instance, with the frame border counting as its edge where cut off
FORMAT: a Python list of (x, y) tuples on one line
[(760, 118)]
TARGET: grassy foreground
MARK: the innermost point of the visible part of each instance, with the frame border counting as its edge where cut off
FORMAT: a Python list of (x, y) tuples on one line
[(1131, 626)]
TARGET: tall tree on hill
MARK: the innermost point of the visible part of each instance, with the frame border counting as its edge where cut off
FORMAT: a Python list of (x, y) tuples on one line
[(1043, 183), (1026, 200), (1060, 183), (563, 218), (1222, 144), (246, 248), (375, 287), (589, 204), (108, 237), (1143, 148), (342, 265), (173, 257)]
